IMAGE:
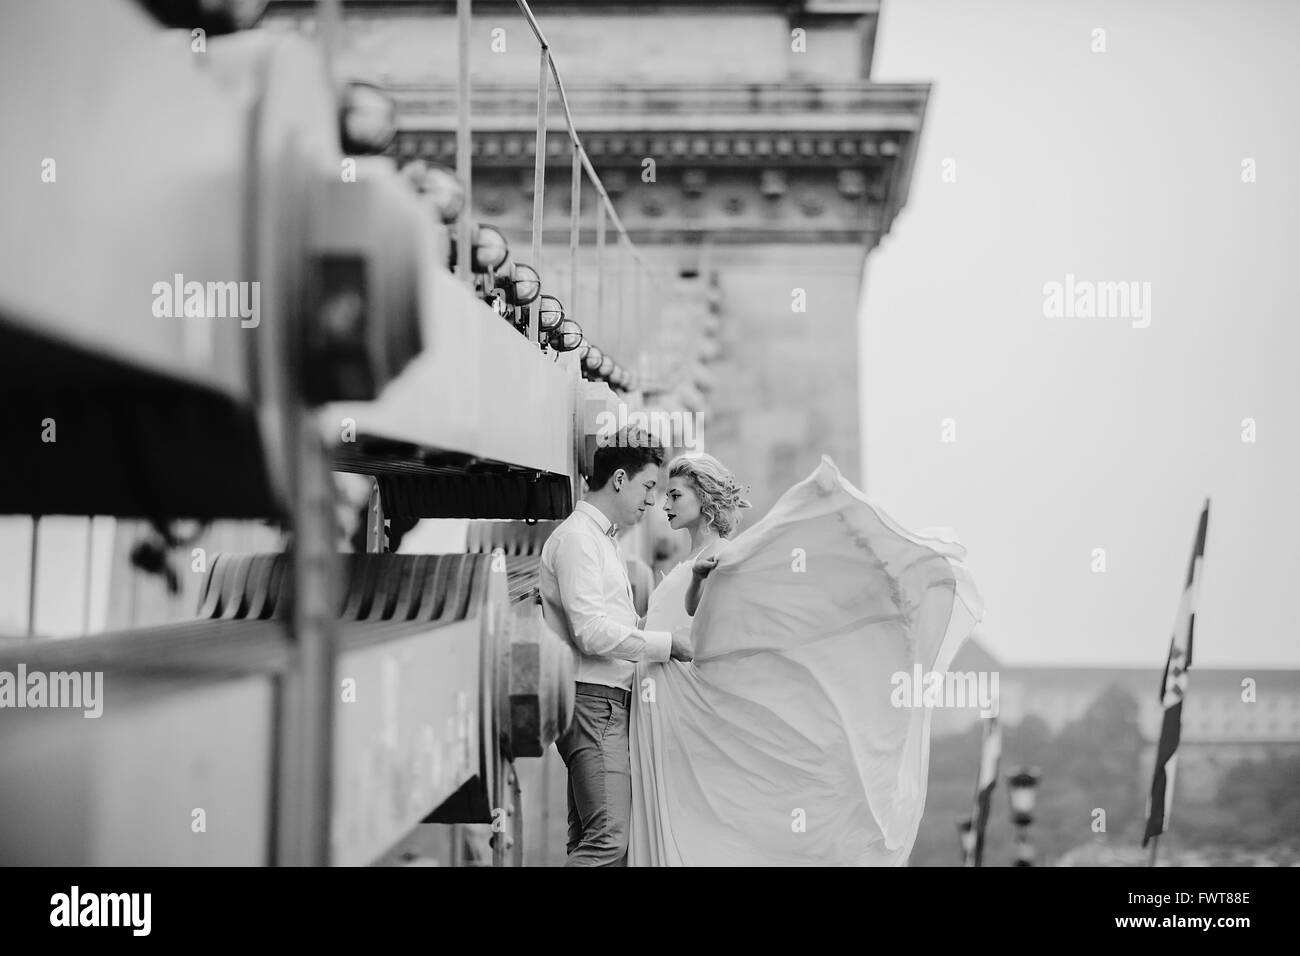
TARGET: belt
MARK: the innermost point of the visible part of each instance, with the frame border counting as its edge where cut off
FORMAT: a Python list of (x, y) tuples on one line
[(624, 697)]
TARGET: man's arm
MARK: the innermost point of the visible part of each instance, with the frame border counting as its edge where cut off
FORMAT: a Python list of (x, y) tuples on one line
[(578, 574)]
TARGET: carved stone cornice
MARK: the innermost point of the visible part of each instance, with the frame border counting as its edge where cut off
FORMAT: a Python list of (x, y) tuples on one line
[(749, 148), (735, 163), (858, 105)]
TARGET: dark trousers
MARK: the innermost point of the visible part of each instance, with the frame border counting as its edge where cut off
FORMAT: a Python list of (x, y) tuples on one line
[(595, 751)]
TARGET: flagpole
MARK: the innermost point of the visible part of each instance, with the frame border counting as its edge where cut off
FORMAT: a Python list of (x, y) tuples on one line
[(1173, 690), (985, 783)]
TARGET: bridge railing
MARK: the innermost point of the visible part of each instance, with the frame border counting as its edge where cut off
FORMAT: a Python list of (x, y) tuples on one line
[(624, 321)]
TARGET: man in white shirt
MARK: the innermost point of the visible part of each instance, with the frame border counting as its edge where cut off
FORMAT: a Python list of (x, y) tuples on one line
[(587, 598)]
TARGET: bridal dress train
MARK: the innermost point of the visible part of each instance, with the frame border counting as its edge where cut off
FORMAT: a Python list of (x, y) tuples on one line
[(781, 744)]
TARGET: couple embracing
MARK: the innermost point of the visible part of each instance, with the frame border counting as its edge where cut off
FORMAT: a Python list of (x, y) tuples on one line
[(748, 720)]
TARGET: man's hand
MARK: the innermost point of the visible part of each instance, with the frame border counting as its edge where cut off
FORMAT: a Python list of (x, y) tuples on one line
[(703, 567), (682, 649)]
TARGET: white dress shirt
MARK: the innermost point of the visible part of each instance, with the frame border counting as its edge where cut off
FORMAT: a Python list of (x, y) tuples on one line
[(587, 598)]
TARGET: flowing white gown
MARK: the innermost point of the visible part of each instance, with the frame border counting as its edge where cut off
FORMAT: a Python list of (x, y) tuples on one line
[(779, 745)]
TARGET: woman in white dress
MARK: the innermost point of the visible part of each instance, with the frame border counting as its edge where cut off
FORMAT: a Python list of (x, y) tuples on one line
[(784, 742)]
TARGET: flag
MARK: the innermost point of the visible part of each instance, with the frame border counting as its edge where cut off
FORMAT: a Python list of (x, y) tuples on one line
[(990, 757), (1173, 687)]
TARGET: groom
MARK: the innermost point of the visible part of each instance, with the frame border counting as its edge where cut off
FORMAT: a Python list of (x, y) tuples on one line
[(587, 598)]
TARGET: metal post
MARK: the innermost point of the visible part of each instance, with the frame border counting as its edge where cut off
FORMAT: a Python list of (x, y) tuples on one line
[(307, 699), (303, 759), (31, 582), (599, 320), (544, 799), (375, 539), (964, 825), (539, 178), (517, 830), (638, 310), (575, 222), (620, 306), (328, 18), (457, 846), (90, 571), (464, 236)]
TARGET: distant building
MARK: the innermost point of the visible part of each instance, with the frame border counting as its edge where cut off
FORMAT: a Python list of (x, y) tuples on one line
[(1229, 714), (1217, 708)]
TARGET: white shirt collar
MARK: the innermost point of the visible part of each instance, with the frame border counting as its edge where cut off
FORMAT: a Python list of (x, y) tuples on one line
[(595, 514)]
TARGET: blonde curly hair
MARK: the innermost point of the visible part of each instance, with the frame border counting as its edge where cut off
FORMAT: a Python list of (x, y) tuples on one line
[(721, 496)]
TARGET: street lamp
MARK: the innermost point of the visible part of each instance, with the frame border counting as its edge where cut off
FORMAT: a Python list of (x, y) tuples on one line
[(566, 336), (1022, 786), (966, 831), (367, 119), (550, 313), (215, 17), (1022, 783), (522, 284), (442, 192), (445, 192), (1024, 848), (490, 250)]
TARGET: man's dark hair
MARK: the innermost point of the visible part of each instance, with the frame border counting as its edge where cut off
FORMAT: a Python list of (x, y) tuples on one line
[(632, 449)]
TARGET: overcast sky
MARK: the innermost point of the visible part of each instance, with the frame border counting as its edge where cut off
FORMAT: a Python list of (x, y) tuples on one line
[(1076, 433)]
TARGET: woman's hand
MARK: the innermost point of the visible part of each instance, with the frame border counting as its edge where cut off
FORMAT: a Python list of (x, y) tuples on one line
[(704, 566), (682, 649)]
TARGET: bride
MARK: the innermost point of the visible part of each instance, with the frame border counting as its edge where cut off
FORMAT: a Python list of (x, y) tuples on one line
[(779, 744)]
